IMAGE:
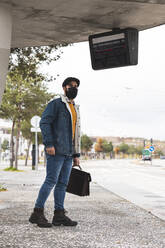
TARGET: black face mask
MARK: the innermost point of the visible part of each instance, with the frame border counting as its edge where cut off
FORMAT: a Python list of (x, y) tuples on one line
[(71, 93)]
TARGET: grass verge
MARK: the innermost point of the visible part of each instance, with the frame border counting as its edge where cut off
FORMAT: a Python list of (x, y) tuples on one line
[(12, 169), (2, 188)]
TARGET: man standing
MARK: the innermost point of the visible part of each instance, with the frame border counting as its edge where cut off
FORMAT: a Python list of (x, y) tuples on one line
[(60, 127)]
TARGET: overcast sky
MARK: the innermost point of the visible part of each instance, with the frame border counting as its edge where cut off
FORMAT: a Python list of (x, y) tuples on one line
[(128, 101)]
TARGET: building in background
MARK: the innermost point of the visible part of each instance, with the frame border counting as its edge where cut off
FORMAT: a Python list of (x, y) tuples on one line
[(5, 134), (116, 141)]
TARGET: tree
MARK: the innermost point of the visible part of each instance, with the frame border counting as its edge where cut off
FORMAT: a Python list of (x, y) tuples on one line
[(5, 145), (27, 99), (27, 60), (131, 150), (24, 80), (107, 147), (139, 150), (159, 152), (116, 150), (124, 148), (27, 134), (86, 143), (99, 145), (7, 112)]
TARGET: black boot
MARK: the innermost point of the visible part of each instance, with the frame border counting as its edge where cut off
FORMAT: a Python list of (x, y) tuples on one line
[(61, 219), (38, 217)]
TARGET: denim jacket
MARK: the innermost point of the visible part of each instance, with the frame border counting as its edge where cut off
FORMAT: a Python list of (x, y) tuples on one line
[(56, 127)]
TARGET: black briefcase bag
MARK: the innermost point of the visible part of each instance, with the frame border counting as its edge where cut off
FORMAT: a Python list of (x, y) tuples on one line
[(79, 182)]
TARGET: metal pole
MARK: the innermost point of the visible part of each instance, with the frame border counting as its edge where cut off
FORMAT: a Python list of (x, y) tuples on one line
[(144, 142), (151, 151), (36, 142)]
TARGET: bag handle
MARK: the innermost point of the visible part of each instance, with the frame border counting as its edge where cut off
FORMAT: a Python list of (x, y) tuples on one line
[(89, 176), (77, 166)]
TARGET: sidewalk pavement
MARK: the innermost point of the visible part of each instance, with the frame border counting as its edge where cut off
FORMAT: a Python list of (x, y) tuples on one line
[(105, 220)]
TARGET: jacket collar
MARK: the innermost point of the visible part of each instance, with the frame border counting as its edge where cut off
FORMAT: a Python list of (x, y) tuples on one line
[(65, 99)]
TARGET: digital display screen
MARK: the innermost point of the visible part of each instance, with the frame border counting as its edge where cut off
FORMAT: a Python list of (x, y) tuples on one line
[(109, 50)]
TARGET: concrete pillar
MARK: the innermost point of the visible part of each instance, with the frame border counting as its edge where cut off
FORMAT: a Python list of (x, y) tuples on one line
[(5, 42)]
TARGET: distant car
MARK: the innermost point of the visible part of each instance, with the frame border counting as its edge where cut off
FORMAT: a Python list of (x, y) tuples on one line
[(162, 157), (146, 158)]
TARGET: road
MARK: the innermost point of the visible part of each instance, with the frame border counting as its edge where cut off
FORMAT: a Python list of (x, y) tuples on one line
[(140, 183)]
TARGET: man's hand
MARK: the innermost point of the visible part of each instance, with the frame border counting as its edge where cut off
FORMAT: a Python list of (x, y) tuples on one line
[(76, 161), (50, 150)]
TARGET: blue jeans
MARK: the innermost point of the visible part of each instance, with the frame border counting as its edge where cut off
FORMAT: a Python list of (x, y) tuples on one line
[(57, 174)]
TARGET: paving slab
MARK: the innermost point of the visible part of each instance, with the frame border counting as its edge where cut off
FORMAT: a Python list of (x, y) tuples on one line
[(105, 220)]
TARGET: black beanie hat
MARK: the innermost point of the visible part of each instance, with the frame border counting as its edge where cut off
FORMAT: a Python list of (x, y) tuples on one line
[(70, 79)]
